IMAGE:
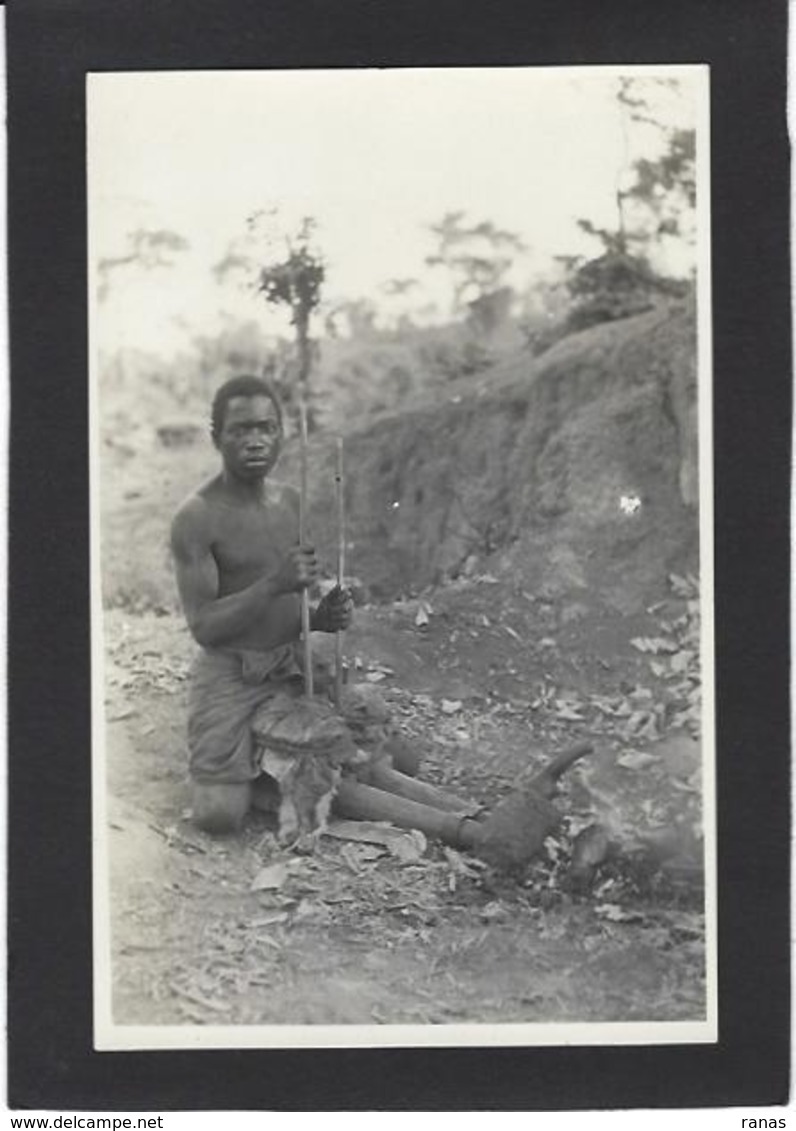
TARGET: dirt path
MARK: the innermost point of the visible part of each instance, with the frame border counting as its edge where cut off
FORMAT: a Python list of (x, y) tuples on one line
[(354, 935)]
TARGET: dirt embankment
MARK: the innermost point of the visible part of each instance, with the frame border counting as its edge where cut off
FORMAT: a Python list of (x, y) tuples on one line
[(573, 471), (579, 467), (520, 474)]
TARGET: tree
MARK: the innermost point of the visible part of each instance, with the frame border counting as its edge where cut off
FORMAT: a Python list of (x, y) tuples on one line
[(666, 187), (359, 315), (655, 200), (477, 257), (295, 282), (147, 248), (289, 272), (659, 194), (616, 285)]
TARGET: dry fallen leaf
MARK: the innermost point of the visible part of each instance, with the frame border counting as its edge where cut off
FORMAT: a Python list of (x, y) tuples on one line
[(552, 848), (615, 914), (569, 713), (636, 720), (270, 878), (636, 760), (269, 941), (451, 706), (685, 786), (424, 611), (125, 713), (604, 887), (654, 644), (407, 845), (270, 920), (684, 586), (309, 910)]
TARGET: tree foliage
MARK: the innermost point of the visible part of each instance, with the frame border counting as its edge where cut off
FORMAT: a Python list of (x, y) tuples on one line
[(286, 267), (147, 248), (616, 285), (295, 281), (477, 257), (358, 317), (665, 188), (656, 200), (659, 196)]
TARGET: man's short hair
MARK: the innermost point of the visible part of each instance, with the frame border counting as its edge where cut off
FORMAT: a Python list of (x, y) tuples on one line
[(243, 386)]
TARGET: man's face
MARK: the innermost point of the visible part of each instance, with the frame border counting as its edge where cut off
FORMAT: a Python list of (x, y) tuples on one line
[(251, 437)]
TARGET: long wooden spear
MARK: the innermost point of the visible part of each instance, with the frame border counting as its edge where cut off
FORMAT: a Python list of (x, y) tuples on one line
[(338, 643), (305, 594)]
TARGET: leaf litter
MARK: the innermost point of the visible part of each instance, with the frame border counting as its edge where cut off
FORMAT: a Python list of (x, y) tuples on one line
[(442, 883)]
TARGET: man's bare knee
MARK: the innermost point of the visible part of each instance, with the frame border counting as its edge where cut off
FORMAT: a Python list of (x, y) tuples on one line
[(220, 809)]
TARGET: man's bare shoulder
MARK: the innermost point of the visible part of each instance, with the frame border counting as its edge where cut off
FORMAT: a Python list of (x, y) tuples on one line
[(193, 518)]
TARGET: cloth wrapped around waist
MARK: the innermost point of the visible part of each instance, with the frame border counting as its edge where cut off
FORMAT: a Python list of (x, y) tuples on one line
[(247, 715), (240, 700), (227, 687)]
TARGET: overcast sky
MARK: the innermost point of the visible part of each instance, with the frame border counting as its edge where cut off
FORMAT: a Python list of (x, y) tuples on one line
[(373, 155)]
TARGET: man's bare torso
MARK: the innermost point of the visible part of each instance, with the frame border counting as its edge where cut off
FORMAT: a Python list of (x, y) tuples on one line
[(247, 541)]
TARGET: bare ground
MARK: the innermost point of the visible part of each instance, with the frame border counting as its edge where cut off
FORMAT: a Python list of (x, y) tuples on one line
[(494, 683)]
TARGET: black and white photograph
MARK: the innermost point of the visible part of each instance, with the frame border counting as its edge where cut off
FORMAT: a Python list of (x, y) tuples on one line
[(402, 561)]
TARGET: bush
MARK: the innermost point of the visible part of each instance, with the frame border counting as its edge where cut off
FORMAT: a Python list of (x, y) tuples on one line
[(450, 360), (616, 285)]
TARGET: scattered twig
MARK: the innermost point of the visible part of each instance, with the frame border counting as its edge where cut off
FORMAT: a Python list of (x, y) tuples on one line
[(199, 999)]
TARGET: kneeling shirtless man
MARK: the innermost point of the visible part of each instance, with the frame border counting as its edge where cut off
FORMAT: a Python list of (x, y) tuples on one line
[(240, 571)]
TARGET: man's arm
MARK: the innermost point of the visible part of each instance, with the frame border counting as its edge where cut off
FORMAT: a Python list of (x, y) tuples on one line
[(214, 620)]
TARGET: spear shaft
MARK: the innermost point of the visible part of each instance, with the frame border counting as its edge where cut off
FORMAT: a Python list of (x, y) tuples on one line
[(305, 595), (338, 643)]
